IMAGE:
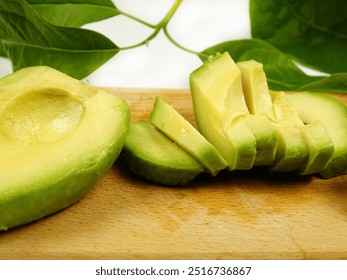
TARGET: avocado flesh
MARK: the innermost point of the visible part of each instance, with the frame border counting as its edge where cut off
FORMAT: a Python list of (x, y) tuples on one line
[(209, 123), (58, 137), (266, 138), (292, 151), (165, 118), (255, 88), (321, 148), (151, 155), (301, 148), (312, 135), (218, 98), (313, 107), (287, 154), (259, 104), (244, 143)]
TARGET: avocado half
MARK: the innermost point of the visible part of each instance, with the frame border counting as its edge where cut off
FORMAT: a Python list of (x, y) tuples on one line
[(58, 137)]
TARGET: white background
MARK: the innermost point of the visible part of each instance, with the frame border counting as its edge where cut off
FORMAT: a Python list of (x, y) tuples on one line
[(197, 24)]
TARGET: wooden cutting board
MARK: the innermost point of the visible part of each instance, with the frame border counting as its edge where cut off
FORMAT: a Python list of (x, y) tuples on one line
[(237, 215)]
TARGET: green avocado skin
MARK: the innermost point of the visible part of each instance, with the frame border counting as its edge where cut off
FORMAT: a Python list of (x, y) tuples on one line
[(25, 207), (156, 173)]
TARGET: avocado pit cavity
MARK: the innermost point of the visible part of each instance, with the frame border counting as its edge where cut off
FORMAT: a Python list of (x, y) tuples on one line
[(41, 116)]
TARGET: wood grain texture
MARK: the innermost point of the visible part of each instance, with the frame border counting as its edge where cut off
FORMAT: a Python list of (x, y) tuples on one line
[(237, 215)]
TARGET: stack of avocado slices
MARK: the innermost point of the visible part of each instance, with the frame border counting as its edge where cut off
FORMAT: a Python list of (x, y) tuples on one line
[(240, 124)]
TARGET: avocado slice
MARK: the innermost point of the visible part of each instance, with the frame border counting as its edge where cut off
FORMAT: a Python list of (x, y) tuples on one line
[(151, 155), (320, 146), (259, 103), (58, 138), (301, 148), (218, 108), (165, 118), (222, 116), (266, 138), (292, 151), (255, 88), (319, 107)]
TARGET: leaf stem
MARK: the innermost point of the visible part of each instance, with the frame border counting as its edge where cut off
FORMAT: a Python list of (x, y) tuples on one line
[(173, 41), (170, 13), (136, 19), (161, 25)]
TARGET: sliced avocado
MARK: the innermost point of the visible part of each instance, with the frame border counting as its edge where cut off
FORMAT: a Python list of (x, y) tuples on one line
[(320, 146), (178, 129), (332, 113), (255, 88), (299, 149), (288, 151), (58, 138), (292, 151), (244, 143), (209, 123), (218, 104), (313, 136), (259, 103), (218, 100), (153, 156), (266, 138)]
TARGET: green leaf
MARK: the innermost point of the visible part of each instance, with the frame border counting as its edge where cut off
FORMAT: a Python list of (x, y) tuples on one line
[(29, 40), (281, 72), (312, 31), (74, 13), (2, 52)]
